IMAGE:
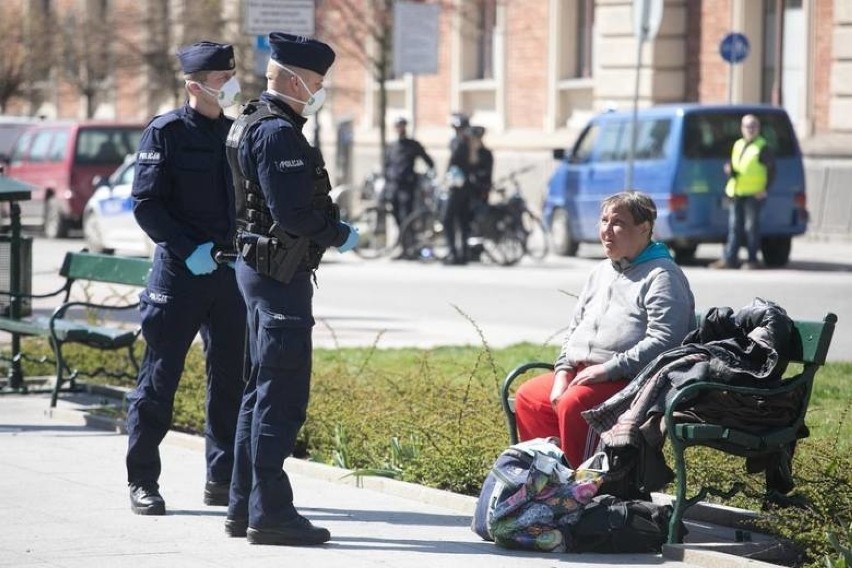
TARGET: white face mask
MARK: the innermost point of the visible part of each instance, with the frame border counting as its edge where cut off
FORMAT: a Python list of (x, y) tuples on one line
[(227, 95), (315, 99)]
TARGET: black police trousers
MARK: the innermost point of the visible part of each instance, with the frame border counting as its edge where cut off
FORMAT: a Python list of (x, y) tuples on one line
[(175, 306), (275, 402)]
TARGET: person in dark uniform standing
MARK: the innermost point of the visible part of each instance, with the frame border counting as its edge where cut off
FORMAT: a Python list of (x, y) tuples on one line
[(183, 199), (399, 170), (471, 166), (286, 220), (459, 122)]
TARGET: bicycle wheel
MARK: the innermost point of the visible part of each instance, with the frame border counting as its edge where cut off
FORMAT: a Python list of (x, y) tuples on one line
[(379, 233), (422, 237), (537, 243), (506, 250)]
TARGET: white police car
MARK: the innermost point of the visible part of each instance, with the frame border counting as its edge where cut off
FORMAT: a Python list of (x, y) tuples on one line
[(108, 221)]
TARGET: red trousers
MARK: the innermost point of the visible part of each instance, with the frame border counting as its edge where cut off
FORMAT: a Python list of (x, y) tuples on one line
[(537, 418)]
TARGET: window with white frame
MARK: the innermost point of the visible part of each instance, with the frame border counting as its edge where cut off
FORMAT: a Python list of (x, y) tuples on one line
[(479, 23)]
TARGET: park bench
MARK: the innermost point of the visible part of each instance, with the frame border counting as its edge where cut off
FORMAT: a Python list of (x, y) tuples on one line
[(811, 340), (72, 321)]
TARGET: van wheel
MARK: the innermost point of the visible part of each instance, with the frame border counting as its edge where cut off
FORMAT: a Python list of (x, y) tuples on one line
[(560, 229), (56, 225), (684, 254), (776, 250)]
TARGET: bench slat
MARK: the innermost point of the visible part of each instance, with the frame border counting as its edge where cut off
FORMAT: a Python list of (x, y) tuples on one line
[(106, 268), (74, 331)]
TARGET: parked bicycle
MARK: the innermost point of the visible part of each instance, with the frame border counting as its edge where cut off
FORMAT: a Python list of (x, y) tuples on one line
[(501, 232), (379, 231), (529, 225)]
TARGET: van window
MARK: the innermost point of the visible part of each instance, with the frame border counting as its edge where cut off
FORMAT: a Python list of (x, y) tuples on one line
[(106, 145), (59, 146), (610, 147), (41, 145), (585, 145), (653, 138), (712, 135), (21, 147)]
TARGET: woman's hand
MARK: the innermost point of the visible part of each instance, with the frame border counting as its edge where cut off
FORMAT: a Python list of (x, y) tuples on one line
[(560, 383), (589, 376)]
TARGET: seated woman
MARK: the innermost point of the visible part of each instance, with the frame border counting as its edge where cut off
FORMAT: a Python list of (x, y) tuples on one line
[(634, 305)]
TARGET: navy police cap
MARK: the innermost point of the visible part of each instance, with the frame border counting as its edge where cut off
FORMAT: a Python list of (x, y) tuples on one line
[(300, 51), (206, 56)]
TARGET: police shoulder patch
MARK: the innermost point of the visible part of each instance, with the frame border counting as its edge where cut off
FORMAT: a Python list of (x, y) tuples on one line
[(292, 165), (150, 156)]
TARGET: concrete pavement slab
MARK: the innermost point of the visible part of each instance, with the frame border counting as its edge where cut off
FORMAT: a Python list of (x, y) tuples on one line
[(64, 503)]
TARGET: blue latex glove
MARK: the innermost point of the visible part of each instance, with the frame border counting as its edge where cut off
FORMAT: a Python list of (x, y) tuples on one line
[(201, 260), (351, 240)]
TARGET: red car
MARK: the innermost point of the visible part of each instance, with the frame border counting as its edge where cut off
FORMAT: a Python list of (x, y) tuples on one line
[(59, 159)]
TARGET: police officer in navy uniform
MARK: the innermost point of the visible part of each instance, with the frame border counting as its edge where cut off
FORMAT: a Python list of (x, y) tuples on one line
[(400, 159), (183, 199), (285, 222)]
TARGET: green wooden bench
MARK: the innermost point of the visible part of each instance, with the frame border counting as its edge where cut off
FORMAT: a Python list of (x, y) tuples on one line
[(811, 340), (68, 323)]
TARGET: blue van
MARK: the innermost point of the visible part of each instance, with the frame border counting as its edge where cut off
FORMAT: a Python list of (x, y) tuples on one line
[(678, 159)]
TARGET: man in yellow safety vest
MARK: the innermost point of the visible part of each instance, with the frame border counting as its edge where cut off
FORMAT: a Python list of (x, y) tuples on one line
[(750, 171)]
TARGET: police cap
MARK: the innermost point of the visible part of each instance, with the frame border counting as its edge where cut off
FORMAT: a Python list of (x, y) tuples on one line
[(300, 51), (206, 56)]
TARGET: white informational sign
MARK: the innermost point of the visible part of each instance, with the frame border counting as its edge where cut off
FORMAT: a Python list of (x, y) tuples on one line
[(415, 38), (291, 16), (262, 51), (647, 15)]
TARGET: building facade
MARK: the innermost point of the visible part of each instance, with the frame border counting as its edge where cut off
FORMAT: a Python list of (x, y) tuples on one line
[(531, 71)]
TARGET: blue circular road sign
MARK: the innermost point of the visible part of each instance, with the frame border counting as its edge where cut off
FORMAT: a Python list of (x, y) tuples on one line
[(734, 47)]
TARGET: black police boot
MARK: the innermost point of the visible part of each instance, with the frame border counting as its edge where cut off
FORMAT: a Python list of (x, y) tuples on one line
[(216, 493), (145, 499), (236, 527), (297, 532)]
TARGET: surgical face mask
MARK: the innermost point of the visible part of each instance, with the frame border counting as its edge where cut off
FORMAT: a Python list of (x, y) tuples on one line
[(227, 95), (315, 99)]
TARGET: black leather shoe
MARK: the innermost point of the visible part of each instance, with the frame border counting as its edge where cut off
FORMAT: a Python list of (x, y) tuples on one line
[(298, 532), (236, 527), (145, 499), (216, 493)]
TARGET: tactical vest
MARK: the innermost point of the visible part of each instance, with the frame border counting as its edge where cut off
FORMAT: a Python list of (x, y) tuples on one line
[(751, 175), (260, 241)]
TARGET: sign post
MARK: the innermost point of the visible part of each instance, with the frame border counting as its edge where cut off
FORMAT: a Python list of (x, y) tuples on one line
[(733, 48), (647, 15), (292, 16), (415, 44)]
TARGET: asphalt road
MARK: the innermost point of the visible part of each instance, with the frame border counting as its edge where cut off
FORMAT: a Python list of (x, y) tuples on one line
[(401, 303)]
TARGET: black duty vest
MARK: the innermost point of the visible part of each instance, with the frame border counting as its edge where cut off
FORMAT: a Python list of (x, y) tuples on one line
[(271, 250)]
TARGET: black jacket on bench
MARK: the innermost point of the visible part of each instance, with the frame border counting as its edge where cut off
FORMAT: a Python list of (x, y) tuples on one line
[(749, 347)]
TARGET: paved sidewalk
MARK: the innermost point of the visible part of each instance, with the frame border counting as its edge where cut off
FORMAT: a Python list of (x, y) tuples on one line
[(64, 503)]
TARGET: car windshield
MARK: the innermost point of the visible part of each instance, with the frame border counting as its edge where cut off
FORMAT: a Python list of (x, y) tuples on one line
[(712, 135), (107, 145)]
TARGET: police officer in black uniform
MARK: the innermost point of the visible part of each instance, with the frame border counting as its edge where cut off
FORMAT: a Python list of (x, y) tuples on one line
[(285, 221), (460, 122), (399, 170), (183, 199)]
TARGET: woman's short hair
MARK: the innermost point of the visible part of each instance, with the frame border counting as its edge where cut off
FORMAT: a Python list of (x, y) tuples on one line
[(640, 206)]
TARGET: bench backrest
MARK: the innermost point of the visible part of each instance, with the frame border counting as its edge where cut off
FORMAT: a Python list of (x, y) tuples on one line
[(132, 271), (811, 339)]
